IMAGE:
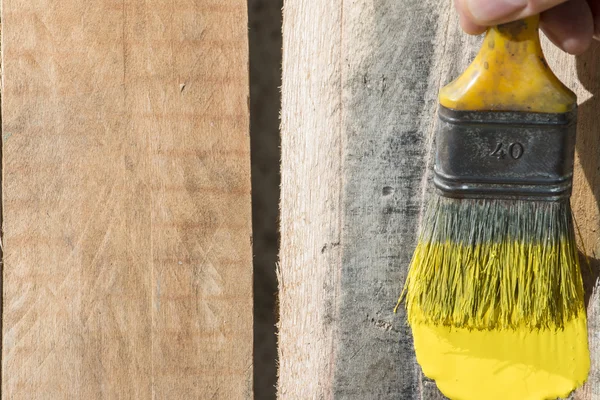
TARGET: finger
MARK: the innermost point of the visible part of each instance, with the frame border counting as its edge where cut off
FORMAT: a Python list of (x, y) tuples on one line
[(466, 21), (570, 26), (595, 7), (492, 12)]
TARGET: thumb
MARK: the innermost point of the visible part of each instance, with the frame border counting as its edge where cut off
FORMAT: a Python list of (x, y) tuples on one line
[(491, 12)]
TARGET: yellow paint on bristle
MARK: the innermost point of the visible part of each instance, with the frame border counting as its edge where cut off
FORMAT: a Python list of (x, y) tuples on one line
[(495, 264), (504, 364), (509, 74), (504, 284)]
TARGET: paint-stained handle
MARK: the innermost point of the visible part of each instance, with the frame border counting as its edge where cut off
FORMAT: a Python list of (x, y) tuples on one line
[(509, 74)]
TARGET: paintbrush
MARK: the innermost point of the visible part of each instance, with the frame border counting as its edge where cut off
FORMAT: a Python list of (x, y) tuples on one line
[(497, 247), (494, 294)]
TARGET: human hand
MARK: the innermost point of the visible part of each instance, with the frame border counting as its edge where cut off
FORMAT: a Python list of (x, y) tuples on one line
[(570, 25)]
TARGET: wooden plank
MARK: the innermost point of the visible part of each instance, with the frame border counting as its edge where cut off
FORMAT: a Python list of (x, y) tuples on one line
[(581, 74), (356, 88), (388, 97), (310, 213), (357, 137), (127, 270)]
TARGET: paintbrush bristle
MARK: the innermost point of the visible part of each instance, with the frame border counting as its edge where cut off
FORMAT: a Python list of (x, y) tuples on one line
[(495, 264)]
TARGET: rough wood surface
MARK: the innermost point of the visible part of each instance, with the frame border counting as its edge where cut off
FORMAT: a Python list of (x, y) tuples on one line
[(126, 194), (582, 75), (359, 102), (310, 199)]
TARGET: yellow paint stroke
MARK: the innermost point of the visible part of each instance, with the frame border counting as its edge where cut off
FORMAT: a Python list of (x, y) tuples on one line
[(504, 364)]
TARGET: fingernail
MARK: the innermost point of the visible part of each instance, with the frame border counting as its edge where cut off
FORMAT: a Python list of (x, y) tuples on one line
[(575, 46), (485, 11)]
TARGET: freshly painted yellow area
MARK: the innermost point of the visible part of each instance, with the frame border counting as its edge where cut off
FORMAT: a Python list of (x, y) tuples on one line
[(504, 364), (509, 74)]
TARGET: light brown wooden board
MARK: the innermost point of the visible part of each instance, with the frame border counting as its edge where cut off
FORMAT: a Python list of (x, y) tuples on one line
[(360, 84), (126, 195), (582, 74)]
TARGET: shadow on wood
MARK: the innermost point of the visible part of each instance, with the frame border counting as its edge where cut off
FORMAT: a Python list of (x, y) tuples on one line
[(590, 271), (588, 143)]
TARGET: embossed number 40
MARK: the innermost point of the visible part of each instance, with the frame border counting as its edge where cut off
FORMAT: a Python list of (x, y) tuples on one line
[(515, 151)]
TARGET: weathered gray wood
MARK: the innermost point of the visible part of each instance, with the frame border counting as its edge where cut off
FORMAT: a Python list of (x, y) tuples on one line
[(389, 95), (360, 83)]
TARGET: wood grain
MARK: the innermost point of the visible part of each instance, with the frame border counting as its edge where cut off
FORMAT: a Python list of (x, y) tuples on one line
[(581, 74), (358, 123), (356, 86), (126, 194), (310, 199)]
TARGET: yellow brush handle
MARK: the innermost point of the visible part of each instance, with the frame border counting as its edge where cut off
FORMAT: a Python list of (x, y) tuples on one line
[(509, 74)]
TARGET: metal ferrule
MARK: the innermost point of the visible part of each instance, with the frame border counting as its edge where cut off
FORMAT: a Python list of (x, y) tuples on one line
[(509, 155)]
